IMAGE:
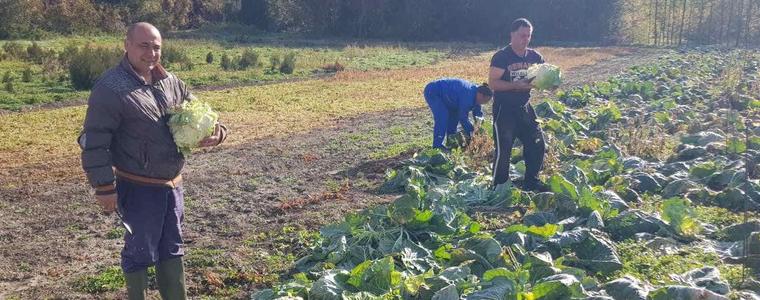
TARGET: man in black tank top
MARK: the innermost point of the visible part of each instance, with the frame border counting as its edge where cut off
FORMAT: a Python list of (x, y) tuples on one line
[(513, 116)]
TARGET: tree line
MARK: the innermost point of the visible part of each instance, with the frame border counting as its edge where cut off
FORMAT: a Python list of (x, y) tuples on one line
[(33, 18), (691, 22), (651, 22)]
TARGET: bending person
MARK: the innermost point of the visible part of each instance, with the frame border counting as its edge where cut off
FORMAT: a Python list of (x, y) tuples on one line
[(451, 100)]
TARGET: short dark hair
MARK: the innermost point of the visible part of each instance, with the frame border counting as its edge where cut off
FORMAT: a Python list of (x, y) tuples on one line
[(485, 90), (519, 23)]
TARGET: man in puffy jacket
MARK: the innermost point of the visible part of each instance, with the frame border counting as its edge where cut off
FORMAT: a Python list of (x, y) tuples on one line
[(451, 100), (131, 160)]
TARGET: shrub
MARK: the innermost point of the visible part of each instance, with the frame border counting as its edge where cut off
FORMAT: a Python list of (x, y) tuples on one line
[(89, 63), (67, 54), (35, 53), (9, 87), (249, 59), (274, 61), (336, 67), (187, 66), (14, 50), (226, 63), (26, 75), (7, 76), (289, 63), (173, 55)]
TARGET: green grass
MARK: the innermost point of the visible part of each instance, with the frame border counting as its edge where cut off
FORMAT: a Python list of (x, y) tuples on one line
[(646, 264), (720, 217), (335, 186), (277, 250), (407, 137), (200, 258), (398, 130), (394, 150), (383, 145), (109, 279), (54, 85), (308, 61), (40, 89), (714, 215), (24, 267), (388, 143), (115, 233)]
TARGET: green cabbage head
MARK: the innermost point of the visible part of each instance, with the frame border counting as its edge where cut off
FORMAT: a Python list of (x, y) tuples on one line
[(191, 123), (546, 76)]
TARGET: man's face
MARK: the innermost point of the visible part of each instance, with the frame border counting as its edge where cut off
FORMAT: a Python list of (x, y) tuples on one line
[(521, 37), (143, 49)]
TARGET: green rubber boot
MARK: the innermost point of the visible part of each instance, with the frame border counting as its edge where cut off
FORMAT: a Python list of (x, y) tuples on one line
[(137, 283), (170, 276)]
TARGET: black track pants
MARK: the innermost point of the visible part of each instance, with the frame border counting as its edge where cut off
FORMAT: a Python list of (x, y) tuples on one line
[(517, 122)]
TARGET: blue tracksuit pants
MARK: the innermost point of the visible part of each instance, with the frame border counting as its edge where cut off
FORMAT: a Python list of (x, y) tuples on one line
[(155, 214), (445, 121)]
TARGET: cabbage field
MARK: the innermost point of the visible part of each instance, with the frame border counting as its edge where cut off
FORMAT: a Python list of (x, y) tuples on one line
[(654, 195), (300, 154)]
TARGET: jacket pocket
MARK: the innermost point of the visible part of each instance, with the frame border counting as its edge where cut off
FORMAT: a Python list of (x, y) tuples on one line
[(122, 195)]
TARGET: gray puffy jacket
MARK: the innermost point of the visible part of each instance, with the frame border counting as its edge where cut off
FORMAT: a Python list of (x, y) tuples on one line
[(125, 126)]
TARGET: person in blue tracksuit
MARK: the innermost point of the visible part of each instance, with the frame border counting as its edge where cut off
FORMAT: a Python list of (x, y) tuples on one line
[(451, 100)]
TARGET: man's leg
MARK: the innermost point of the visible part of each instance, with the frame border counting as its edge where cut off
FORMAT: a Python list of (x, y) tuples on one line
[(452, 123), (137, 283), (170, 276), (170, 271), (142, 208), (534, 148), (440, 119), (503, 128), (451, 129)]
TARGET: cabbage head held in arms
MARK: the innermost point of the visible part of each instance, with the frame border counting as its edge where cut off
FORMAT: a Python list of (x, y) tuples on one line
[(191, 123), (545, 76)]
